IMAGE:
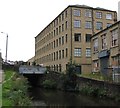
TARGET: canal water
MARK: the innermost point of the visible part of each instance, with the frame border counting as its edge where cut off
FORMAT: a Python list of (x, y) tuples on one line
[(56, 98)]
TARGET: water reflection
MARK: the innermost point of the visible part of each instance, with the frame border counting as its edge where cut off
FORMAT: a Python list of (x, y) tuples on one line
[(43, 97)]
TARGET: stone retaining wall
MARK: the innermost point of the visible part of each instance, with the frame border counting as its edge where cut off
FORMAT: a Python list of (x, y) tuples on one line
[(112, 88)]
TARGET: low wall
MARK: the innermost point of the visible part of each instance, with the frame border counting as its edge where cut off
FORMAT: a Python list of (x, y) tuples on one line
[(112, 88)]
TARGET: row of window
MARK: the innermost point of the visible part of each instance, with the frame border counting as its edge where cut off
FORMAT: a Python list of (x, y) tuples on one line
[(78, 52), (88, 24), (61, 54), (77, 37), (104, 42), (62, 40), (88, 13), (56, 67), (60, 18)]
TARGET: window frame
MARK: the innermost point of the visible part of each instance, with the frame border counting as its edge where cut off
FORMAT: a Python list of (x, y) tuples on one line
[(76, 12), (77, 52), (88, 24), (88, 52), (99, 15), (77, 23), (77, 36)]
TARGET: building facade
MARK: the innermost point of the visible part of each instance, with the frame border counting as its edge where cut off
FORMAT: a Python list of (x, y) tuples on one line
[(106, 49), (31, 61), (68, 37)]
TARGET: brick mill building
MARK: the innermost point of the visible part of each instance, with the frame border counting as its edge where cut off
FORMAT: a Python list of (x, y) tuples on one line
[(68, 37)]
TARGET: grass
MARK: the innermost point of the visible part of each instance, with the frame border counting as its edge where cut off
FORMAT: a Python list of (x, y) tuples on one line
[(8, 74), (14, 90), (96, 76)]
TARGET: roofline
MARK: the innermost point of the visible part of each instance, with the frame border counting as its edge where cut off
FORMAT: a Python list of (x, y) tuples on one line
[(106, 28), (77, 6)]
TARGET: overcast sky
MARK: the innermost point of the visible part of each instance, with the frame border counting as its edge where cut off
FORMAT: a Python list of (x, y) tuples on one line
[(24, 19)]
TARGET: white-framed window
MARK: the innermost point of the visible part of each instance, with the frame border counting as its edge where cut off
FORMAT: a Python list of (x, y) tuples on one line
[(77, 37), (88, 24), (114, 36), (76, 12), (99, 25), (77, 52), (95, 45), (77, 23), (88, 13), (99, 15), (109, 16), (88, 52), (104, 41)]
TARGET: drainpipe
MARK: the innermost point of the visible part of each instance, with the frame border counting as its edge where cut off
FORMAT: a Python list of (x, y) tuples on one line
[(71, 36), (93, 32), (118, 45)]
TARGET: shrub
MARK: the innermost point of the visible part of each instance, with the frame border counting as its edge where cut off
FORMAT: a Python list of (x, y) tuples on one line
[(49, 84)]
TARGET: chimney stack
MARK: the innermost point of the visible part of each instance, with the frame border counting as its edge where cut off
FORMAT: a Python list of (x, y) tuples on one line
[(119, 11)]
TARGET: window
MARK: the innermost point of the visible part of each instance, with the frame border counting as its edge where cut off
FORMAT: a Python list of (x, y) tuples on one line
[(114, 35), (62, 53), (77, 52), (109, 16), (76, 12), (54, 56), (77, 37), (95, 65), (56, 31), (66, 25), (109, 24), (95, 44), (59, 54), (62, 16), (98, 14), (66, 38), (62, 27), (88, 24), (88, 37), (77, 23), (66, 13), (62, 40), (66, 52), (99, 25), (88, 13), (59, 29), (57, 21), (104, 41), (88, 52), (59, 41), (54, 44)]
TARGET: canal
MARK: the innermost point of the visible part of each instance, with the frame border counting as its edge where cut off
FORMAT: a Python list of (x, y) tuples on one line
[(56, 98)]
